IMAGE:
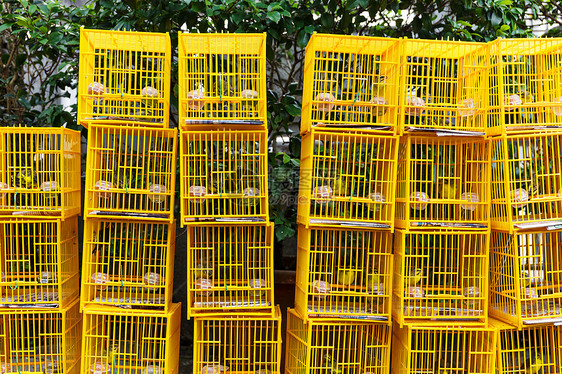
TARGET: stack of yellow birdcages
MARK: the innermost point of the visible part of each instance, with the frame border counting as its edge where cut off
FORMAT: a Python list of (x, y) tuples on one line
[(39, 267), (224, 203), (441, 245), (130, 323), (342, 316), (526, 242)]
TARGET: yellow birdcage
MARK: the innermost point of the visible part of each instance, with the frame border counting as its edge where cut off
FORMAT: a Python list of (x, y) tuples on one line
[(444, 86), (128, 263), (526, 181), (224, 176), (443, 182), (39, 265), (530, 350), (131, 172), (222, 79), (237, 344), (124, 341), (344, 346), (422, 349), (525, 85), (229, 269), (344, 273), (441, 276), (46, 342), (39, 172), (347, 179), (351, 81), (526, 276), (124, 78)]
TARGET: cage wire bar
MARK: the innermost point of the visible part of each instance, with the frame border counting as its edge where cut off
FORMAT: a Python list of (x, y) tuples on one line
[(224, 176), (124, 78), (525, 86), (443, 182), (347, 179), (39, 264), (441, 277), (36, 341), (229, 269), (351, 82), (443, 349), (130, 173), (39, 172), (128, 263), (444, 86), (125, 341), (328, 346), (344, 273), (237, 344), (526, 277), (222, 80), (532, 349), (526, 181)]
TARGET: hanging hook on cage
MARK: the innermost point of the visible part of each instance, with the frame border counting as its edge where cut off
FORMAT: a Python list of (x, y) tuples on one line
[(16, 285)]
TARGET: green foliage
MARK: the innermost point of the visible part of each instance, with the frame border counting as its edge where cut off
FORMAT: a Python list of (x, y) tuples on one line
[(42, 37), (39, 43)]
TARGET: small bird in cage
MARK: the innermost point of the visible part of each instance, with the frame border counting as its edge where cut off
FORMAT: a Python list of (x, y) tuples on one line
[(534, 364), (526, 113), (413, 277), (533, 186), (26, 178), (330, 365), (447, 189), (379, 84), (526, 280), (346, 277), (111, 352), (340, 187)]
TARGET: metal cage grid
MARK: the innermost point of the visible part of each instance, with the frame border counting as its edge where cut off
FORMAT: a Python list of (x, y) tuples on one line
[(123, 341), (124, 78), (344, 273), (441, 276), (237, 344), (39, 172), (328, 346), (128, 263), (39, 265)]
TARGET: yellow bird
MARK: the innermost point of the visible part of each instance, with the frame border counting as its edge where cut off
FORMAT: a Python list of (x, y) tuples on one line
[(373, 280), (340, 188), (447, 190), (203, 270), (412, 280), (533, 365), (379, 84), (526, 98), (346, 277), (27, 178), (112, 353), (525, 279)]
